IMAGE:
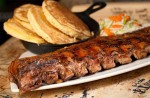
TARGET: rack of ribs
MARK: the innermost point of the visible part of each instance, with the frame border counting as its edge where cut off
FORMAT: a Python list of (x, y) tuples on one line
[(89, 57)]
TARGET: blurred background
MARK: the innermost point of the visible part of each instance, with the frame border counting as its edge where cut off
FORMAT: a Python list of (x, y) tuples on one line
[(7, 7)]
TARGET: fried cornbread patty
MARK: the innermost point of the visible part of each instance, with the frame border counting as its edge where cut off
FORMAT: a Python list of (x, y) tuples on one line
[(15, 29), (20, 15), (64, 20), (25, 24), (21, 12)]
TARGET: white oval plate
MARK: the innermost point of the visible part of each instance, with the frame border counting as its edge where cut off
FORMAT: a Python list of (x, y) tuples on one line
[(99, 75)]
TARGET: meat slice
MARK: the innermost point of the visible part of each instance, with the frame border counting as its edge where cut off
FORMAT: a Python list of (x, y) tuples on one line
[(80, 59)]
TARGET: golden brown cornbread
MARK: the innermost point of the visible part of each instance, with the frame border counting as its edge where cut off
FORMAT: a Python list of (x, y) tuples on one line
[(25, 24), (64, 20), (20, 15), (15, 29), (21, 12)]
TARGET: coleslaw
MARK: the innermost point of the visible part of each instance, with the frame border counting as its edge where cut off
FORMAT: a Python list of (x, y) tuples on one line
[(118, 24)]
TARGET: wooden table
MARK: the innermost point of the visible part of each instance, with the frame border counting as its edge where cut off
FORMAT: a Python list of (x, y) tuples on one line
[(134, 84)]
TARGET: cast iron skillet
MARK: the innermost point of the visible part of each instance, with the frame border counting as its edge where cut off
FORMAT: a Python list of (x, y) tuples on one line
[(84, 16)]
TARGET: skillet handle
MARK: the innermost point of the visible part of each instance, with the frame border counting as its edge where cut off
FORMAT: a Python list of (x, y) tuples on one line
[(95, 7)]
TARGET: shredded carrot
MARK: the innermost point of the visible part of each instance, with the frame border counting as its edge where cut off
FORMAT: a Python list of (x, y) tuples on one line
[(116, 18), (108, 32), (117, 26), (127, 18)]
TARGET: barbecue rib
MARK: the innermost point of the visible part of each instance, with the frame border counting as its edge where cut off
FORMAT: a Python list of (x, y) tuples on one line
[(78, 60)]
